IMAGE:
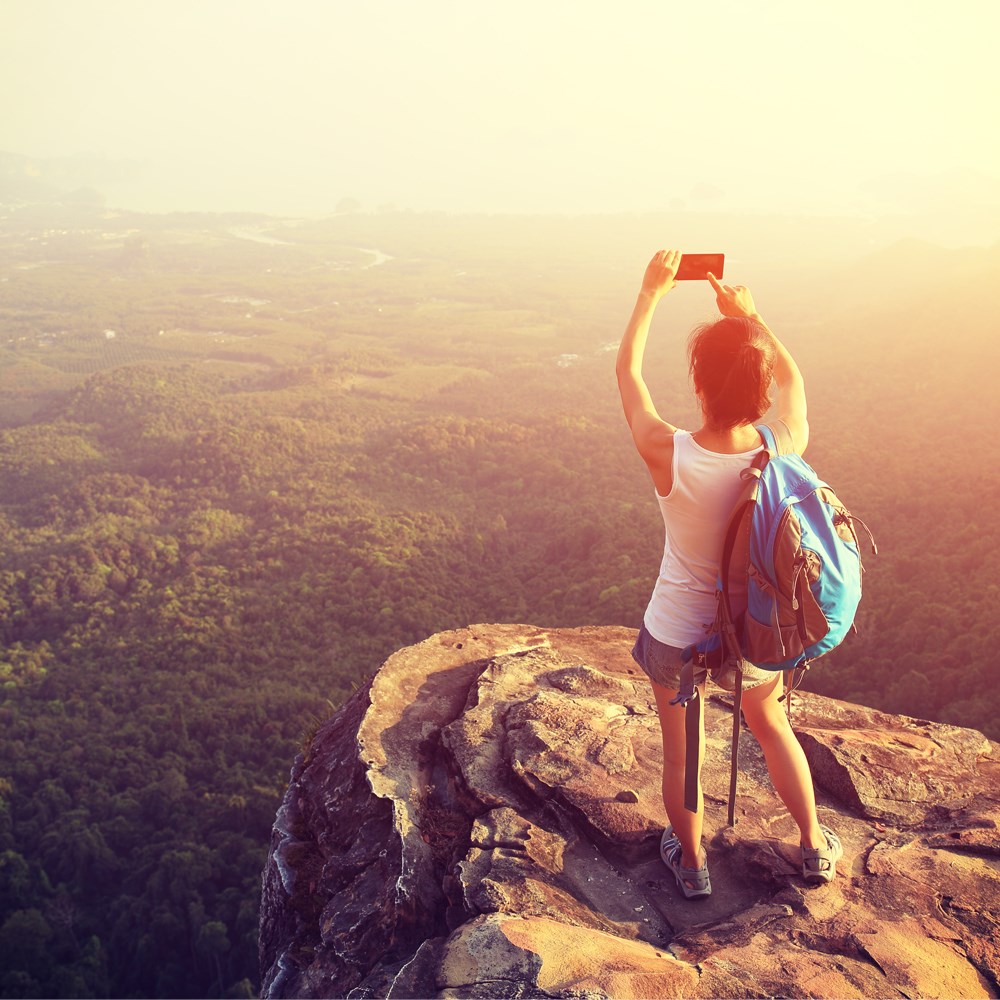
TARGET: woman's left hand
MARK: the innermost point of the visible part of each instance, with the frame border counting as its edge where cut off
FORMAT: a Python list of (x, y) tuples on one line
[(733, 300), (660, 273)]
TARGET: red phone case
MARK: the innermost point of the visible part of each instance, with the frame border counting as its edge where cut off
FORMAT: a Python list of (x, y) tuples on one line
[(695, 266)]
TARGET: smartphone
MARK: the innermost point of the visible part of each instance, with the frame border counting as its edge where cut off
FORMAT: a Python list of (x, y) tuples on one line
[(695, 266)]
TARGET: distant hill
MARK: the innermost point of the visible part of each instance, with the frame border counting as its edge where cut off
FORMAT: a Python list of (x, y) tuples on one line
[(954, 207), (40, 179)]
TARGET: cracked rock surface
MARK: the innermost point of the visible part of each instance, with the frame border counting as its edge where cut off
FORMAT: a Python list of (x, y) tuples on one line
[(483, 820)]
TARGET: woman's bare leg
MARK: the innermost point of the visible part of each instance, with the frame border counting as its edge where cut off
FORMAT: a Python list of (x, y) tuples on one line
[(687, 825), (786, 761)]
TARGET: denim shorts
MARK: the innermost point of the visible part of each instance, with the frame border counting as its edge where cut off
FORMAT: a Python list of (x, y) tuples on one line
[(662, 663)]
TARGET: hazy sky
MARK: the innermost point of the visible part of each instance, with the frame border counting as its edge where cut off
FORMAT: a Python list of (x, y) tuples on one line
[(521, 106)]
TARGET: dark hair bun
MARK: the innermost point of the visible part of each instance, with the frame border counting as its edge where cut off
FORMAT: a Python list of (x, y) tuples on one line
[(732, 361)]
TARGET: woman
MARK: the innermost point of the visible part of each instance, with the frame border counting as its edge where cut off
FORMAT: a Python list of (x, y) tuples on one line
[(697, 480)]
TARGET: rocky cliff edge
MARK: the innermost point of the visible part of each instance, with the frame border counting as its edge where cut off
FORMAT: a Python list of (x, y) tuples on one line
[(483, 818)]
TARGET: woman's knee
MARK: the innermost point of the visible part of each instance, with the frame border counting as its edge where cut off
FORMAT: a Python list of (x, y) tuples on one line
[(764, 713), (674, 738)]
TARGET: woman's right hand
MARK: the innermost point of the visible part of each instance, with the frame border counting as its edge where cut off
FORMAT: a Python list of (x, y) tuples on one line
[(733, 300)]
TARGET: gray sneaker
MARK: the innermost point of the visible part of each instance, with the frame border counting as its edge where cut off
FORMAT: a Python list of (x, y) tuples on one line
[(695, 883), (819, 864)]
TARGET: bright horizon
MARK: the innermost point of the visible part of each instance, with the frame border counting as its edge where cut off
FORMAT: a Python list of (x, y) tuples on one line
[(529, 108)]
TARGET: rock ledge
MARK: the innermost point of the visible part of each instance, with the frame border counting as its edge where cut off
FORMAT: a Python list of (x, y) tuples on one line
[(483, 818)]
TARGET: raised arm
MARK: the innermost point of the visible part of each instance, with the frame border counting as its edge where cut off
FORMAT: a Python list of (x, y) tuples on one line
[(790, 406), (653, 436)]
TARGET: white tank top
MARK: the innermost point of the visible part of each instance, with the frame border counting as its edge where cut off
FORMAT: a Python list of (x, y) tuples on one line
[(706, 485)]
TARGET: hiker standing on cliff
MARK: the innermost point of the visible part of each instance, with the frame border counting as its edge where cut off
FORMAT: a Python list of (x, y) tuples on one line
[(697, 481)]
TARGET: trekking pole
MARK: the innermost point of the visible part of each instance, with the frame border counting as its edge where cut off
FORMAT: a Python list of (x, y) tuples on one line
[(734, 762)]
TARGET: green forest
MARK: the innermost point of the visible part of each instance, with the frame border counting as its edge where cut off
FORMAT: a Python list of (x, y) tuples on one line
[(243, 460)]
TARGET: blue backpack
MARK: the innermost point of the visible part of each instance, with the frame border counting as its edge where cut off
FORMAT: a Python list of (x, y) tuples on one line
[(788, 588)]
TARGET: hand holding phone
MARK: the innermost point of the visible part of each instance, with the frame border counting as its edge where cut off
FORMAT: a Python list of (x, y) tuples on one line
[(660, 273)]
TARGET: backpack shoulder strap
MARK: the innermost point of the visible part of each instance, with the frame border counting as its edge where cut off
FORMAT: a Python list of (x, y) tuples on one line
[(777, 438)]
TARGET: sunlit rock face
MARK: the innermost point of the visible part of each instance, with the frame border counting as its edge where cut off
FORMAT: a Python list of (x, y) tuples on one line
[(483, 820)]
